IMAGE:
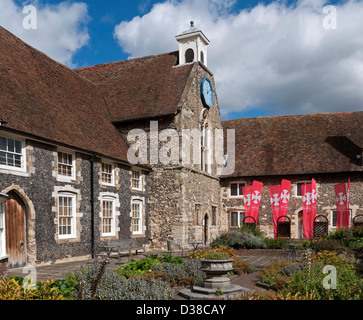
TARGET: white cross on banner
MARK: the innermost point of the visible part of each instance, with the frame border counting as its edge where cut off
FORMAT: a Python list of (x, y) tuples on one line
[(309, 208), (341, 202), (256, 199)]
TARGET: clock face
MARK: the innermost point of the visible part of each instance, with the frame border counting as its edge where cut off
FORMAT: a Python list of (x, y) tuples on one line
[(207, 93)]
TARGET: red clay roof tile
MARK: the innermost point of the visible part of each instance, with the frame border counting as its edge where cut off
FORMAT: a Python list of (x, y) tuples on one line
[(301, 144), (140, 88), (43, 98)]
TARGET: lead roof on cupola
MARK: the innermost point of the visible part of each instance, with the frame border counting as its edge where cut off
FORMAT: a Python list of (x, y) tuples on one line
[(191, 30)]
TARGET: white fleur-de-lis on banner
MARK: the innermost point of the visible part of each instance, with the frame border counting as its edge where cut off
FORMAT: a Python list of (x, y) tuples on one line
[(256, 197), (307, 198), (341, 198), (285, 196), (275, 199), (247, 199)]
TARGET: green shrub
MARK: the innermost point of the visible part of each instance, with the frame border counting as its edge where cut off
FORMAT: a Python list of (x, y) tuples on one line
[(252, 229), (138, 267), (96, 283), (11, 289), (220, 242), (240, 240), (215, 256), (66, 286), (273, 272), (357, 232), (188, 273), (276, 243), (240, 266), (356, 244), (329, 244), (310, 279)]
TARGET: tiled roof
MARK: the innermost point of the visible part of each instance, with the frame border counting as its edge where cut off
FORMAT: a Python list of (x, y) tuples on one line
[(302, 144), (43, 98), (140, 88)]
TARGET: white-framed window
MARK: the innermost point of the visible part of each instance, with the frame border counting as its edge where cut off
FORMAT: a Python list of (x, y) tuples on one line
[(136, 216), (235, 189), (66, 164), (299, 184), (66, 215), (12, 154), (334, 216), (107, 174), (2, 230), (237, 218), (136, 180), (108, 216)]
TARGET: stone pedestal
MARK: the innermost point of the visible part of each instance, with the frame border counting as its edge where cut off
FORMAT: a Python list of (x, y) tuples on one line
[(216, 280)]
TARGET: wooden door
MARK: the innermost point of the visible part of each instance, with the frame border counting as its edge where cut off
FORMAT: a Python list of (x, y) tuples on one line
[(15, 233)]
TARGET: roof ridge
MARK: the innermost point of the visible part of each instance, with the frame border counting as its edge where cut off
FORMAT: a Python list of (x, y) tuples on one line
[(294, 115), (126, 61)]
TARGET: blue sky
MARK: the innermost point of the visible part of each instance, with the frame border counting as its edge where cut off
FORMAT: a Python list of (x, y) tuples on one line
[(268, 57), (106, 14)]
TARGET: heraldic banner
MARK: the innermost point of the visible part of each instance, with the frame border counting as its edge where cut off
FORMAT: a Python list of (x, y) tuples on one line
[(279, 198), (247, 191), (341, 199), (255, 200), (275, 193), (309, 208)]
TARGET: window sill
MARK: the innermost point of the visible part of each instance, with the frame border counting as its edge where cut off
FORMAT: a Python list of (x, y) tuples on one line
[(71, 238), (14, 172), (138, 235), (105, 184), (66, 179)]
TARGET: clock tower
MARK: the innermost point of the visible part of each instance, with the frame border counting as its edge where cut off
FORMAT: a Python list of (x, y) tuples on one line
[(192, 46)]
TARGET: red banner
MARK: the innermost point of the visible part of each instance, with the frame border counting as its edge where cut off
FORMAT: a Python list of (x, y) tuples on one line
[(342, 200), (279, 198), (256, 199), (275, 198), (309, 208), (247, 191), (285, 196)]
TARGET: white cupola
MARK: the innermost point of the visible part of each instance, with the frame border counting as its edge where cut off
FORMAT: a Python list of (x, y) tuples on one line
[(192, 46)]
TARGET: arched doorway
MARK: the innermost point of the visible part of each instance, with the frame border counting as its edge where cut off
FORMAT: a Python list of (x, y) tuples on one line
[(15, 232), (205, 228)]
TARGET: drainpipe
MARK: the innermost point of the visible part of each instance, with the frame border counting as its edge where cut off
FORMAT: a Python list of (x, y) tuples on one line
[(92, 161)]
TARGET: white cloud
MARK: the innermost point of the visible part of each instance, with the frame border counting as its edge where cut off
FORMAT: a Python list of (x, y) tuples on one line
[(273, 56), (61, 29)]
